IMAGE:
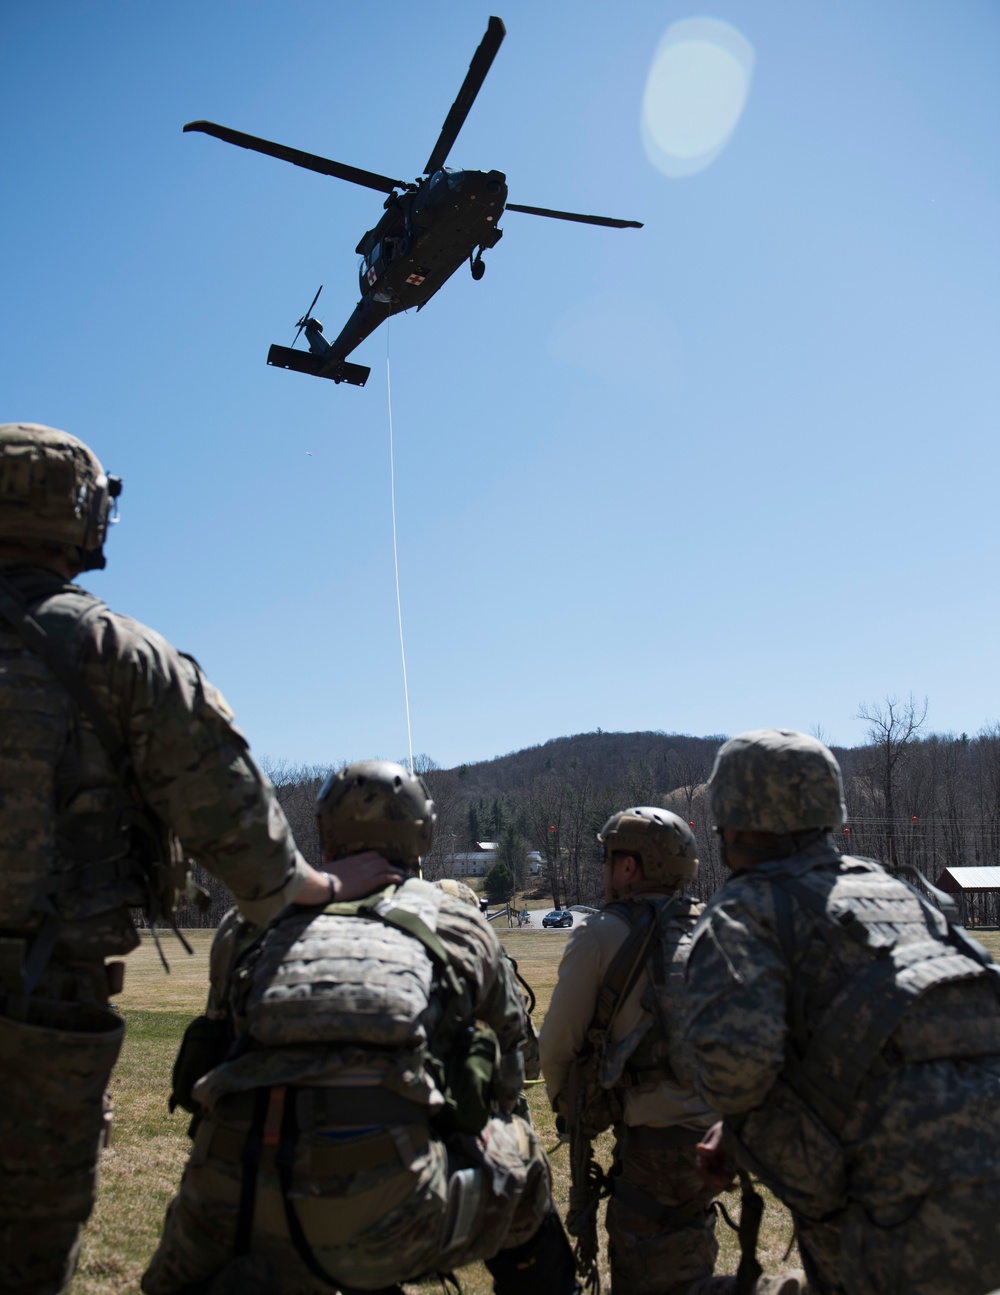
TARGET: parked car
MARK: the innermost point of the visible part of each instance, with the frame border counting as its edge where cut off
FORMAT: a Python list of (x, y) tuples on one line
[(558, 917)]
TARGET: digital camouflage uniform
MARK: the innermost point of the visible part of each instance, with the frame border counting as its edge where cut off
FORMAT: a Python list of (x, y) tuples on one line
[(336, 1013), (70, 868), (851, 1039)]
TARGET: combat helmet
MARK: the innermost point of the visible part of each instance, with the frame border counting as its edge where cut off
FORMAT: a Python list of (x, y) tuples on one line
[(776, 780), (54, 493), (375, 805), (664, 842)]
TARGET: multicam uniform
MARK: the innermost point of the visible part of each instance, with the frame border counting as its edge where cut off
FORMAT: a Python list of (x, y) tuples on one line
[(340, 1017), (660, 1228), (852, 1042), (70, 870)]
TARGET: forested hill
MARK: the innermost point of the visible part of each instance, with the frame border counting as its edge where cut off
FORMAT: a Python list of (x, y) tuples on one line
[(930, 800), (612, 759)]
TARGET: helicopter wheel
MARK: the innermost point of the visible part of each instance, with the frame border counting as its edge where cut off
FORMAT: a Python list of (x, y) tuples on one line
[(478, 268)]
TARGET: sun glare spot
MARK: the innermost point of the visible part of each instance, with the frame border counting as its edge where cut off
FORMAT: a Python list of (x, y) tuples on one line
[(695, 94)]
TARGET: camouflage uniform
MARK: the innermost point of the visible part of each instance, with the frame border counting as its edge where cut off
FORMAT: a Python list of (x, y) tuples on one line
[(69, 866), (851, 1039), (336, 1013)]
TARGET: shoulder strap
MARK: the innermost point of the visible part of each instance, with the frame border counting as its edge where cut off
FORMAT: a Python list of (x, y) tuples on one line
[(628, 962)]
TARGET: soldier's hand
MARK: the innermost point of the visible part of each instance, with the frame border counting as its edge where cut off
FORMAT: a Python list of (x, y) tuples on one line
[(714, 1162), (358, 875), (352, 877)]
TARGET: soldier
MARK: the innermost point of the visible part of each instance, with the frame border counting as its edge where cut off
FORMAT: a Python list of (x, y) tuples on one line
[(660, 1226), (112, 746), (849, 1033), (355, 1137)]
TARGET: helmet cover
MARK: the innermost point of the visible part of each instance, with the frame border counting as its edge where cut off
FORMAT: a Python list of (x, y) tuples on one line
[(375, 805), (661, 838), (54, 492), (776, 780)]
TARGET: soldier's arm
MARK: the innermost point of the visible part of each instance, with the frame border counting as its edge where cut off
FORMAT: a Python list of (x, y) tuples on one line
[(574, 998), (193, 765), (734, 1002)]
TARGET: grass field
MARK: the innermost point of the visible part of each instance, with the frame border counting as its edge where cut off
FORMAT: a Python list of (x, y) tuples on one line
[(142, 1167)]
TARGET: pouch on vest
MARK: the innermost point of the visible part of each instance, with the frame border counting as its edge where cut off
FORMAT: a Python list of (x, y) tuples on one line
[(795, 1154), (205, 1045), (469, 1070)]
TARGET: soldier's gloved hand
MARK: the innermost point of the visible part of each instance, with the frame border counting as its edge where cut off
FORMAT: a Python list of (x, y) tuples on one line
[(714, 1162)]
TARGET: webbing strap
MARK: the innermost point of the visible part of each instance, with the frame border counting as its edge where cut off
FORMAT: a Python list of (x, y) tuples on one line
[(628, 962), (285, 1163), (37, 959), (252, 1148), (751, 1214)]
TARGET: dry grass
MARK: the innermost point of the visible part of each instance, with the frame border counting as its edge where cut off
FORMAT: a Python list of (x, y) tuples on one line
[(140, 1171)]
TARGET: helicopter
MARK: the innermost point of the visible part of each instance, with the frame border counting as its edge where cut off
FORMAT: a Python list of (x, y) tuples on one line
[(430, 228)]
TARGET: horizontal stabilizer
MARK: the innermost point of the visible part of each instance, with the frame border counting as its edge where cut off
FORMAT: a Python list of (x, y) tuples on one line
[(283, 357)]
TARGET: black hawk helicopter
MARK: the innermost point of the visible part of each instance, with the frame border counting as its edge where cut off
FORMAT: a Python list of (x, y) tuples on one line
[(429, 229)]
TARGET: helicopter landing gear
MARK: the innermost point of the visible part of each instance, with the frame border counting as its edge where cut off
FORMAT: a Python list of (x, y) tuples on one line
[(477, 265)]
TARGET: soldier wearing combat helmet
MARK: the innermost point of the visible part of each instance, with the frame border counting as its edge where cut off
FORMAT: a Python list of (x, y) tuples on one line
[(117, 759), (379, 1043), (848, 1030), (660, 1228)]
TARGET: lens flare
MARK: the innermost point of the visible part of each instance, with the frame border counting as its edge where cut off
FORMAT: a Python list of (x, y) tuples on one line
[(695, 94)]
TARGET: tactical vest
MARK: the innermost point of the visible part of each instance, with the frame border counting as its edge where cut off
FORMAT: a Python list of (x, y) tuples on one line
[(335, 980), (369, 978), (644, 1061), (74, 846), (896, 948)]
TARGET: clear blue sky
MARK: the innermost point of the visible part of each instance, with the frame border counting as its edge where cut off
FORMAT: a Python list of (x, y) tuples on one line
[(737, 468)]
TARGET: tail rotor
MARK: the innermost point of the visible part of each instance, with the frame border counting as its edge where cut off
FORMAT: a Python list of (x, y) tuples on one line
[(305, 318)]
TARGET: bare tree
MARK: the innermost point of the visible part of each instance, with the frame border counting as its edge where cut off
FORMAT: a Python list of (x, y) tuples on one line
[(892, 727)]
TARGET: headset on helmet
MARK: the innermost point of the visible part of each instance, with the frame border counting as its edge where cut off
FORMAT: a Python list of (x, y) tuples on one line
[(664, 842), (776, 780), (54, 492), (375, 805)]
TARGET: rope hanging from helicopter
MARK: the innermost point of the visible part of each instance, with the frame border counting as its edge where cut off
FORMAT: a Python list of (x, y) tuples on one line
[(395, 550)]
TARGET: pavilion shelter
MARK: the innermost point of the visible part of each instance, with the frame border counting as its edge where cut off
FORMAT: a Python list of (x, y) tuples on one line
[(977, 890)]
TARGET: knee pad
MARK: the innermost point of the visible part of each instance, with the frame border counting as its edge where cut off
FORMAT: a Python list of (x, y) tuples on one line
[(541, 1266)]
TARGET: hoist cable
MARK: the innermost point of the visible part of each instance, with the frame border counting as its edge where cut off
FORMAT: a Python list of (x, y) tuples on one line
[(395, 552)]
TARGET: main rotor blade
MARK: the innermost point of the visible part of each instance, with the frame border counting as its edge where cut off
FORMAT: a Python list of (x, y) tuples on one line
[(573, 215), (480, 65), (310, 161)]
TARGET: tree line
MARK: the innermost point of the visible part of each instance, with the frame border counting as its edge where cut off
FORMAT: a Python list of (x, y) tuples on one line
[(928, 800)]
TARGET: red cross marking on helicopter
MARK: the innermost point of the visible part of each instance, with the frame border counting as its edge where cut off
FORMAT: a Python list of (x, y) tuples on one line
[(416, 279)]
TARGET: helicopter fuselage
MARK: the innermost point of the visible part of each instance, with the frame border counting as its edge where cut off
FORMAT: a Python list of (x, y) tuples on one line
[(426, 234)]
